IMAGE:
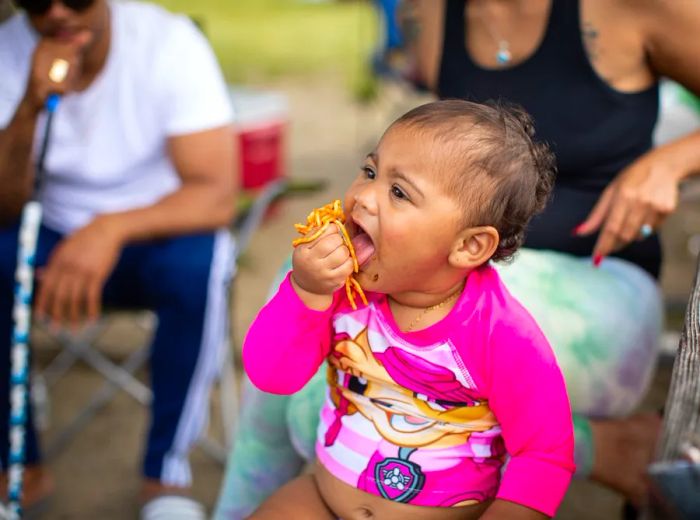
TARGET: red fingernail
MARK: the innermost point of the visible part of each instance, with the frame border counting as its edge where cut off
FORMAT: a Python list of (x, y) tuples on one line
[(597, 259), (577, 230)]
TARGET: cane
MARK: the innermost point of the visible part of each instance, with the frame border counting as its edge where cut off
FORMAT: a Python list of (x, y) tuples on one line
[(22, 315)]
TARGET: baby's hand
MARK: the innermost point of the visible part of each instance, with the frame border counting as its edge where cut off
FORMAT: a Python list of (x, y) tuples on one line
[(321, 267)]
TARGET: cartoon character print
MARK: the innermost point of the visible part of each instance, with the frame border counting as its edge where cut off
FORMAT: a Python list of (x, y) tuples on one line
[(426, 418)]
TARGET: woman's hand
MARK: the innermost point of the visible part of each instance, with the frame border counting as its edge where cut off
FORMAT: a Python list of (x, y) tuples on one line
[(320, 268), (635, 203)]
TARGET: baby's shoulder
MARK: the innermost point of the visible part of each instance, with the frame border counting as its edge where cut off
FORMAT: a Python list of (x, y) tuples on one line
[(503, 321)]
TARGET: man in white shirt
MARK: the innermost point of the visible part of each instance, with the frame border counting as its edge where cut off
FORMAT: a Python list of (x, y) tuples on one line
[(137, 187)]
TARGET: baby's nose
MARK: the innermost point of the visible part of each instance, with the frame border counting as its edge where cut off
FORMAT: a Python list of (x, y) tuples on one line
[(365, 198)]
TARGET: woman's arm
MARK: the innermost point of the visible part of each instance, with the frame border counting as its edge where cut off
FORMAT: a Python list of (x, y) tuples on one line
[(671, 39), (646, 192), (422, 26)]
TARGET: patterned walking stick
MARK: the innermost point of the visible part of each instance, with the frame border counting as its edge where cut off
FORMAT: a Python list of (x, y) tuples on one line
[(22, 315)]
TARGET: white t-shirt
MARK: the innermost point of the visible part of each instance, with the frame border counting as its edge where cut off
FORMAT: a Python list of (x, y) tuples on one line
[(108, 143)]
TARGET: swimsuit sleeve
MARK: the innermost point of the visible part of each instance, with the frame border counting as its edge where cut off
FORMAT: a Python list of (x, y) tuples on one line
[(286, 343), (528, 396)]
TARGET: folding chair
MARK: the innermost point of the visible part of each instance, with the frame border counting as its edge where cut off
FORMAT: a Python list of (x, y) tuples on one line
[(121, 375)]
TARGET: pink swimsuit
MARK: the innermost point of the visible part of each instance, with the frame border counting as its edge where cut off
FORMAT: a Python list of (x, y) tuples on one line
[(429, 417), (426, 482)]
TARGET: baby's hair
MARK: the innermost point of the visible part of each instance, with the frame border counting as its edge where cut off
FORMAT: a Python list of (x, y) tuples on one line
[(492, 149)]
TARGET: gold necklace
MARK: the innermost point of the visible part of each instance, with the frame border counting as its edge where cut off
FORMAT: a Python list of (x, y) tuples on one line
[(440, 305)]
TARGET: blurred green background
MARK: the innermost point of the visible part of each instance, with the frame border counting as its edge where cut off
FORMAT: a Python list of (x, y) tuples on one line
[(261, 40)]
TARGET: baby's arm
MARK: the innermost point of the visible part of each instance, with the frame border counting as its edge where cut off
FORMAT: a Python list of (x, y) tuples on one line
[(286, 343), (528, 396), (290, 337)]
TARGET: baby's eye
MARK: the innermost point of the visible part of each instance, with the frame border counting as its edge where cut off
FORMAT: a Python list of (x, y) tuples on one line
[(369, 172), (398, 192)]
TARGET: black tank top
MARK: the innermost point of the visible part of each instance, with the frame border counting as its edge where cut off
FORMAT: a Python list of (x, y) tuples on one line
[(594, 130)]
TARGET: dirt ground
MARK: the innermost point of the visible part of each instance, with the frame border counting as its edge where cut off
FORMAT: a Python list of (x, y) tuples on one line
[(97, 473)]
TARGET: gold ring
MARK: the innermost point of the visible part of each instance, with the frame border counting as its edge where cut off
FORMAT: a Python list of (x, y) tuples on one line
[(59, 70)]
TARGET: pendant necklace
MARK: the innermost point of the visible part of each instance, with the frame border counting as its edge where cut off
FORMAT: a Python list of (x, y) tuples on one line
[(503, 54)]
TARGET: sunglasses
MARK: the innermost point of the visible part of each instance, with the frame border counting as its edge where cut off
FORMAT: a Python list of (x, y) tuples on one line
[(39, 7)]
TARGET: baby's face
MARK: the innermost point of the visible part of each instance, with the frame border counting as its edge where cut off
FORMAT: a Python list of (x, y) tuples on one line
[(412, 223)]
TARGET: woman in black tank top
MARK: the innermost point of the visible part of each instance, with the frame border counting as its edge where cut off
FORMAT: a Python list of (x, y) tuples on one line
[(587, 72), (594, 130)]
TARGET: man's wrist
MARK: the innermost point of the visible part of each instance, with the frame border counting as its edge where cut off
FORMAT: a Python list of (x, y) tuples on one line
[(112, 226)]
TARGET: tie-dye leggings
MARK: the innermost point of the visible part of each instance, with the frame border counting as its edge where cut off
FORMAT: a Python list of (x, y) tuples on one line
[(603, 325)]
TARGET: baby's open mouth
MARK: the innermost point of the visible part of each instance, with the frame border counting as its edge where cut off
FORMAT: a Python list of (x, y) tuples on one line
[(362, 242)]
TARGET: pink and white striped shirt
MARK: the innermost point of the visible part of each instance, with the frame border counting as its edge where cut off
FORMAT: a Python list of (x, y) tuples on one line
[(427, 417)]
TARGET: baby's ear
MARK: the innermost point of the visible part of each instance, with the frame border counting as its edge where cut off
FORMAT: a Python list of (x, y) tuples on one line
[(473, 247)]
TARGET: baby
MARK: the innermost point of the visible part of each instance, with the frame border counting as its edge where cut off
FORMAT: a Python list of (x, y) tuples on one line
[(445, 400)]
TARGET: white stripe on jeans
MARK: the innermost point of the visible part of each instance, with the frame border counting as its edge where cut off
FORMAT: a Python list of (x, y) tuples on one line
[(176, 469)]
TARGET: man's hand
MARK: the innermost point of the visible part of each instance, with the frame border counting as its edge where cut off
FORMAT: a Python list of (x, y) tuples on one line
[(320, 268), (70, 288), (41, 81)]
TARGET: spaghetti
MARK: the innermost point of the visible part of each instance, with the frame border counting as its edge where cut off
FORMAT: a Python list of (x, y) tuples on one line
[(316, 223)]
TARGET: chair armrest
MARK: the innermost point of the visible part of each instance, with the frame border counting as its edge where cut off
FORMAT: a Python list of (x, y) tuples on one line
[(246, 223)]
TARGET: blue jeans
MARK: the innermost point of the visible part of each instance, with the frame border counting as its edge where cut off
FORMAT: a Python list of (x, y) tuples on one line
[(184, 280)]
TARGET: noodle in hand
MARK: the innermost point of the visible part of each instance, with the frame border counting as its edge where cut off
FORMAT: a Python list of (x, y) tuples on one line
[(316, 223)]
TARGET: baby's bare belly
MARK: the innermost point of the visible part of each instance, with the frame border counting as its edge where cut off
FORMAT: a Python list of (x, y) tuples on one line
[(350, 503)]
